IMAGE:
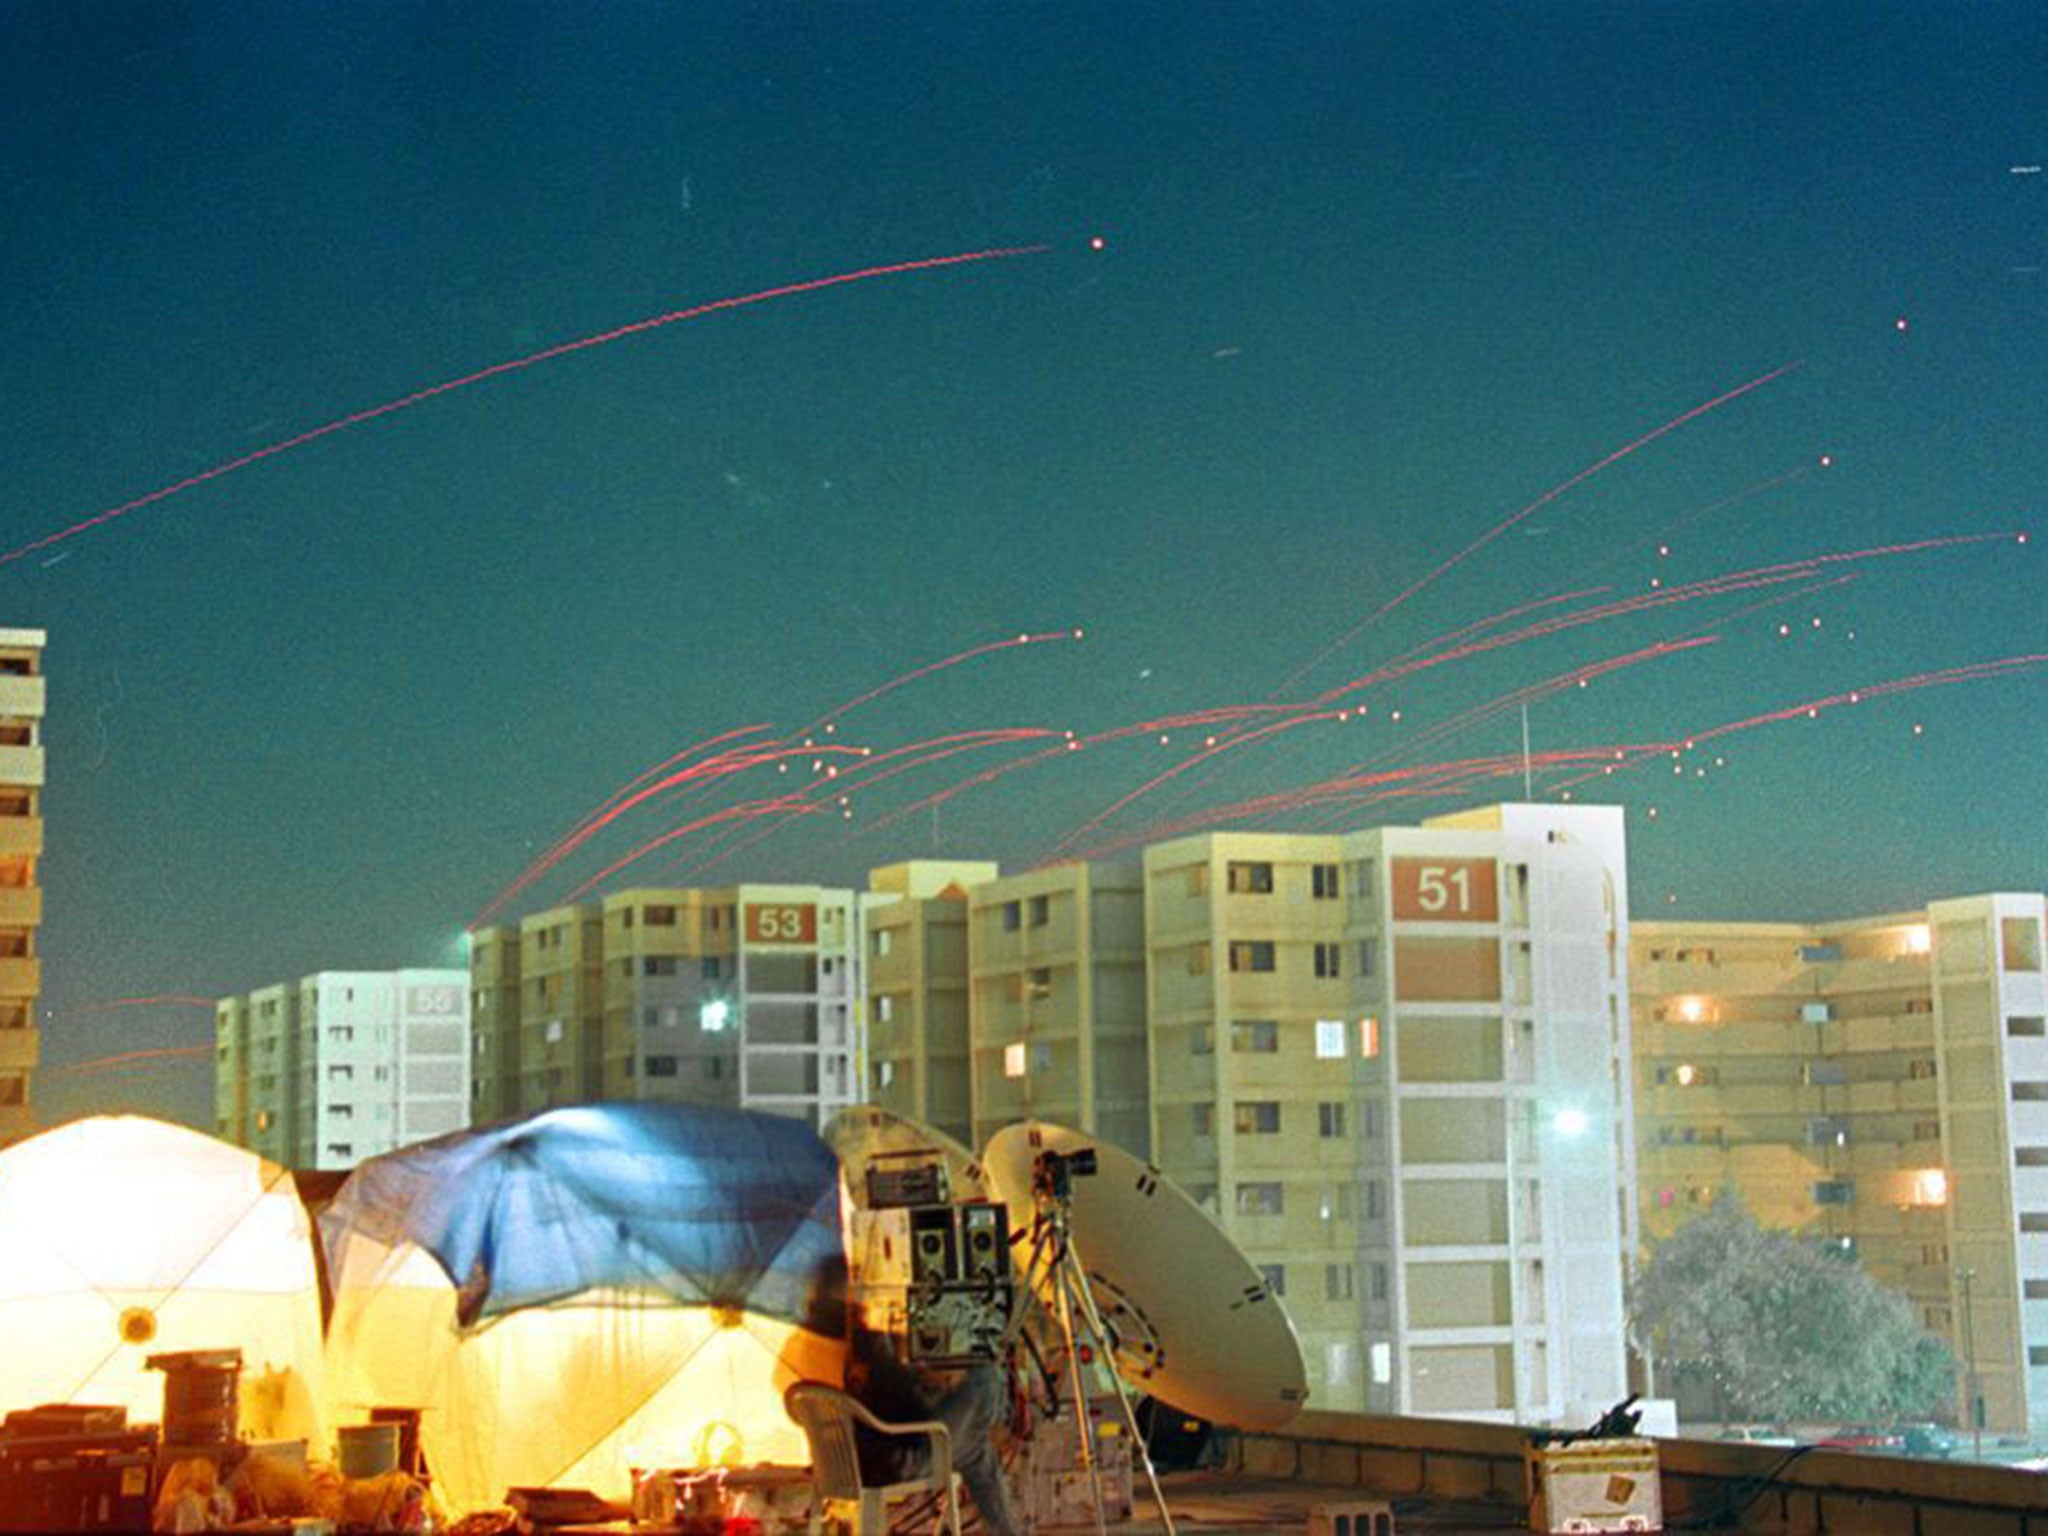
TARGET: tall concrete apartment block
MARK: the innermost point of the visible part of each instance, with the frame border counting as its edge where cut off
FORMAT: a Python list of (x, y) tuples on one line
[(21, 897), (1056, 971), (343, 1065), (1394, 1063), (917, 989), (1882, 1082), (747, 995)]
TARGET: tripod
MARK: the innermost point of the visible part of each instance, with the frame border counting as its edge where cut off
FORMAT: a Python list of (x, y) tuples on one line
[(1057, 1263)]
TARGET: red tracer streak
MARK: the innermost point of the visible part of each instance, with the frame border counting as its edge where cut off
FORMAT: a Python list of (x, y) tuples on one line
[(449, 386)]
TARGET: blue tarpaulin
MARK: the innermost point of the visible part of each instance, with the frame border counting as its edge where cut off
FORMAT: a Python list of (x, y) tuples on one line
[(710, 1207)]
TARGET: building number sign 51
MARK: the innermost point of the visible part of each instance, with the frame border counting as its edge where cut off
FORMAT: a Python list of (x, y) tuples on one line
[(1445, 891)]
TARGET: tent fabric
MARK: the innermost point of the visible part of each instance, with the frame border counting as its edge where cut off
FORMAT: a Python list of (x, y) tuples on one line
[(123, 1237), (713, 1207), (589, 1291)]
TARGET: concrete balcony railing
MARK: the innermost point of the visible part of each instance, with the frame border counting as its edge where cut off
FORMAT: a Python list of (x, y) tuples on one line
[(20, 1049), (21, 906), (20, 976), (21, 765), (21, 836), (21, 697)]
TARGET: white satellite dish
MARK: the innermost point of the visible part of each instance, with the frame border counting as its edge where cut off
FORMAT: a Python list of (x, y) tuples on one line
[(1195, 1324)]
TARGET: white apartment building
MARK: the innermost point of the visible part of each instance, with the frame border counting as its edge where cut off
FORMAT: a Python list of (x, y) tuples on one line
[(343, 1065), (1396, 1065)]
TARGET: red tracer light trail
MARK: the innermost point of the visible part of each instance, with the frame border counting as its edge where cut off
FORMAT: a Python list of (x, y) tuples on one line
[(449, 386)]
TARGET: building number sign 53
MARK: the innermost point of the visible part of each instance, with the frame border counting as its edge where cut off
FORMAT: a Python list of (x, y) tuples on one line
[(782, 923), (1445, 891)]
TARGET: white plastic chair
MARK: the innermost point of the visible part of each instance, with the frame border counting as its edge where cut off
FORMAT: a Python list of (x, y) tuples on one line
[(827, 1417)]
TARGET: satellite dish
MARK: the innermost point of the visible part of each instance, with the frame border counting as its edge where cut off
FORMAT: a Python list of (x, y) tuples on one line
[(1195, 1324), (863, 1137)]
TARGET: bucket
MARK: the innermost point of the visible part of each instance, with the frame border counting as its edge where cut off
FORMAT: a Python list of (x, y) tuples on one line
[(201, 1397), (366, 1450)]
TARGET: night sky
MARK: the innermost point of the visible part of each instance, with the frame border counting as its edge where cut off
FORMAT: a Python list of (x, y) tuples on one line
[(1373, 280)]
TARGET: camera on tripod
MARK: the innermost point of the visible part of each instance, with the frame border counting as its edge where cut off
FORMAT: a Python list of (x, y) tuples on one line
[(1053, 1173)]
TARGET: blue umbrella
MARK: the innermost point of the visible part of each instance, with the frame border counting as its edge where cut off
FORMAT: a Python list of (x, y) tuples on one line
[(709, 1207)]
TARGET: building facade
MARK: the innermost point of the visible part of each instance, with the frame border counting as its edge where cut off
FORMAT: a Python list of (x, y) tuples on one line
[(343, 1065), (917, 991), (1393, 1063), (1056, 1015), (1881, 1083), (21, 896), (745, 995)]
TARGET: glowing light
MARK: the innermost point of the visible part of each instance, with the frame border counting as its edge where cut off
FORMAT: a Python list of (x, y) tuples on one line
[(1686, 1075), (1690, 1010), (1919, 939), (1097, 243), (1570, 1122), (715, 1017), (1013, 1059), (1929, 1186), (1899, 324), (1827, 461)]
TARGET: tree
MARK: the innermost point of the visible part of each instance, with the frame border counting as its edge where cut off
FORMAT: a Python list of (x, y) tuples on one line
[(1783, 1327)]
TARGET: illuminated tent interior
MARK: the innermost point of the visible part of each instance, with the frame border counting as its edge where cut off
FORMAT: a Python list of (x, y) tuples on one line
[(123, 1237), (588, 1291)]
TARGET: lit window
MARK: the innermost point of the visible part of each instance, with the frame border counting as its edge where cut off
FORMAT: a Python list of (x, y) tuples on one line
[(1368, 1036), (1919, 939), (1013, 1059), (1329, 1039), (715, 1016), (1929, 1186), (1382, 1359)]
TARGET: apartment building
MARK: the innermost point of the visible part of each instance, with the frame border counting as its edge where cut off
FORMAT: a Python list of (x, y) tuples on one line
[(1881, 1082), (343, 1065), (21, 897), (747, 995), (1393, 1063), (1056, 978), (917, 993)]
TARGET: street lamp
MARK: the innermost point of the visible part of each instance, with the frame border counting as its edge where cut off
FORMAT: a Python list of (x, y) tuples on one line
[(1972, 1388)]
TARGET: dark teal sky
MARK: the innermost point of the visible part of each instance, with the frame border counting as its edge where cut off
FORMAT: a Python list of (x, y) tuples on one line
[(1376, 277)]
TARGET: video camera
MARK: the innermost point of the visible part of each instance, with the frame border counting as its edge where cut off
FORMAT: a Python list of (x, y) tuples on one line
[(1053, 1173)]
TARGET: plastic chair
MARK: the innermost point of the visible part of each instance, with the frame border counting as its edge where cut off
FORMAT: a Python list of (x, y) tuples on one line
[(827, 1417)]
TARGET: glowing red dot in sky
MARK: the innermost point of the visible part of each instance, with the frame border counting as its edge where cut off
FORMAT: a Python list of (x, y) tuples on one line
[(1827, 461), (1096, 243), (1899, 324)]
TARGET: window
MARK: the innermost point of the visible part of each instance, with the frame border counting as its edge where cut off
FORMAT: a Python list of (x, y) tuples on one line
[(1368, 1036), (1256, 1036), (1258, 1117), (661, 917), (1329, 960), (341, 1033), (1364, 885), (1329, 1120), (1261, 1199), (1378, 1272), (885, 939), (1038, 981), (1276, 1278), (1927, 1130), (1201, 1040), (1921, 1068), (2025, 1028), (885, 1008), (341, 1074), (1934, 1255), (1369, 1121), (1827, 1133), (709, 968), (1196, 960), (1202, 1119), (1337, 1282), (341, 1149), (1013, 916), (1834, 1192), (1333, 1202), (1329, 1039), (661, 1066), (1322, 879), (1041, 911), (1198, 880), (1041, 1056), (1013, 1059), (1826, 1074), (342, 1111), (1368, 957), (1248, 879), (1375, 1200), (1251, 955), (658, 965), (714, 1067)]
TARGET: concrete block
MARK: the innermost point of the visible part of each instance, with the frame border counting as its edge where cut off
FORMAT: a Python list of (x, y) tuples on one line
[(1332, 1466)]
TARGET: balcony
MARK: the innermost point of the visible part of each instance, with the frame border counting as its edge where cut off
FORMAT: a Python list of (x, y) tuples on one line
[(21, 765), (21, 906), (21, 697), (20, 976), (21, 836), (20, 1049)]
